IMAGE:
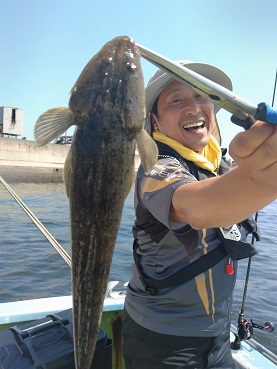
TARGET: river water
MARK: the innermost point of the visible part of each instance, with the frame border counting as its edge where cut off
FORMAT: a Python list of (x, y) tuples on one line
[(31, 268)]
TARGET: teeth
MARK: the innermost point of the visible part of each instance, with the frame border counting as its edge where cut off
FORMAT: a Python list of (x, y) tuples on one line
[(191, 125)]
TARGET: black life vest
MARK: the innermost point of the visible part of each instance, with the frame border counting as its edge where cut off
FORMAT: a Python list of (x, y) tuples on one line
[(235, 249)]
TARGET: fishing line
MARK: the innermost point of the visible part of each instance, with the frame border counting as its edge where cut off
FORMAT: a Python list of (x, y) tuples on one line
[(274, 89)]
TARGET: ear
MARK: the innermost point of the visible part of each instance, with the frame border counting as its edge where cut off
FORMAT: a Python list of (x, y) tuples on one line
[(153, 122)]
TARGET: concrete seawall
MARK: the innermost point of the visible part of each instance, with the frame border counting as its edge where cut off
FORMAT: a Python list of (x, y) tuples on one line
[(23, 160)]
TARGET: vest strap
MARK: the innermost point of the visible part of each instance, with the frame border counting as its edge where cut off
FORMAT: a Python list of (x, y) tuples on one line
[(199, 266)]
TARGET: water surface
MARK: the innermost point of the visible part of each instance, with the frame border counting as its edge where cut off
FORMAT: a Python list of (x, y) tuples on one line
[(31, 268)]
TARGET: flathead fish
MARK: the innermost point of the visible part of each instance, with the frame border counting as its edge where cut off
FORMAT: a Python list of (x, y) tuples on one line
[(107, 107)]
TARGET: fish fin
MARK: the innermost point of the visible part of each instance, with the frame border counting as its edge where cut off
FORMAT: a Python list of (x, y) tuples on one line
[(67, 171), (51, 124), (132, 176), (148, 150)]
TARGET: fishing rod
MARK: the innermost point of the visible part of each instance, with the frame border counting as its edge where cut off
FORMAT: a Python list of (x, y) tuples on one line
[(241, 108), (274, 89), (245, 327)]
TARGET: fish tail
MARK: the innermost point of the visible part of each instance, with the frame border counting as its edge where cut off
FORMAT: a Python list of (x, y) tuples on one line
[(51, 124)]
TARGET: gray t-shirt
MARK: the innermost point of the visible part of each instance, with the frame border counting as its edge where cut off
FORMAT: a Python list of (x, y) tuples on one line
[(202, 305)]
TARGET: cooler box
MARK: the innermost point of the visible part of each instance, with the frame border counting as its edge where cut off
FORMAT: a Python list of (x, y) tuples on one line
[(48, 344)]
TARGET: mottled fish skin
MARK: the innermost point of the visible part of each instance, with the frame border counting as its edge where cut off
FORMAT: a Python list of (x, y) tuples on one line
[(108, 103), (107, 107)]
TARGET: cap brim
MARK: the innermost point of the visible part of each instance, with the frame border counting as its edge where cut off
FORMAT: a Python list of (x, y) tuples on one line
[(155, 87)]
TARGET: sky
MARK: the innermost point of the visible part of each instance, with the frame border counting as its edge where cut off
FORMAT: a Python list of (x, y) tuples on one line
[(45, 44)]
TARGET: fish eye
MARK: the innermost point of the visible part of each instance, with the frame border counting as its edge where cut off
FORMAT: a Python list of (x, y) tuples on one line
[(131, 66)]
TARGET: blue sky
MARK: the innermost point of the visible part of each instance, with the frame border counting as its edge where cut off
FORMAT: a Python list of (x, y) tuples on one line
[(45, 44)]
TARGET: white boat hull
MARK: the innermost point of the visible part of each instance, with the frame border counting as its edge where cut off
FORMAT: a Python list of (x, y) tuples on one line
[(247, 357)]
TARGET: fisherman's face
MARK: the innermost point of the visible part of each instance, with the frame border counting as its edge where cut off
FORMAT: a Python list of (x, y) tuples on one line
[(185, 116)]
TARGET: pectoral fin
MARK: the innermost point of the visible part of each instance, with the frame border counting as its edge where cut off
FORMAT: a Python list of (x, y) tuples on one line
[(51, 124), (148, 150), (67, 171)]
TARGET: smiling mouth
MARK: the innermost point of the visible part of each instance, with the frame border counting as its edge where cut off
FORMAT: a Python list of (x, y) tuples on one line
[(194, 126)]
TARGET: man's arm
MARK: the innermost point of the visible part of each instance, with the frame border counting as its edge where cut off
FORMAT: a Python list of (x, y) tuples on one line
[(245, 189)]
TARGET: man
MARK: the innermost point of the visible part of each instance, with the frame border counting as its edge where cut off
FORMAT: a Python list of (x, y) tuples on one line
[(178, 304)]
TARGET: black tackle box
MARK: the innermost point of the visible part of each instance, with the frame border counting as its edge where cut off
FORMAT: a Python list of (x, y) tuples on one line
[(48, 344)]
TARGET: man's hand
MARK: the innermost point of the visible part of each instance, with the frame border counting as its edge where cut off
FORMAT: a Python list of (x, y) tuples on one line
[(255, 152)]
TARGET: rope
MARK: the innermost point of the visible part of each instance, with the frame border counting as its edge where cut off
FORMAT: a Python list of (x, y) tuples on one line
[(60, 250)]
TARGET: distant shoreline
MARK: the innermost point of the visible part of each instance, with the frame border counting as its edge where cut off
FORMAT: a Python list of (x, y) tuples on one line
[(24, 161)]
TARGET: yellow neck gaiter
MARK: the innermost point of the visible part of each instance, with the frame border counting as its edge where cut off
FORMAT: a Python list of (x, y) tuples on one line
[(210, 159)]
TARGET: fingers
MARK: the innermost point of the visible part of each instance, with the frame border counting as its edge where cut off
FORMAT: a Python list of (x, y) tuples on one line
[(255, 148), (245, 143)]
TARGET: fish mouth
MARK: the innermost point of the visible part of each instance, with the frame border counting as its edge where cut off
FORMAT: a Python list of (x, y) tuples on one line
[(194, 126)]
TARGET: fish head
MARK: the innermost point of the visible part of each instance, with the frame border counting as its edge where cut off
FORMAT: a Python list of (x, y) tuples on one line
[(112, 79)]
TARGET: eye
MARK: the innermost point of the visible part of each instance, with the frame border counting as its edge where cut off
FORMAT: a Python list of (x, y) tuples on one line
[(176, 100), (200, 97), (197, 96)]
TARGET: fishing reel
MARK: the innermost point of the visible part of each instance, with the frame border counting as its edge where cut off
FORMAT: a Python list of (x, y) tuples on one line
[(245, 330)]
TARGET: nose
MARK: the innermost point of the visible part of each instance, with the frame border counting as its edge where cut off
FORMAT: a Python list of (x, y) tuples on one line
[(192, 107)]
